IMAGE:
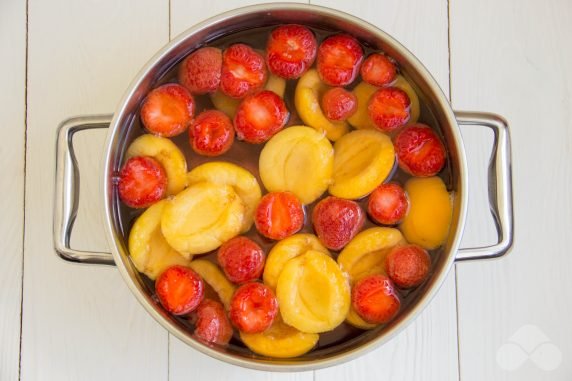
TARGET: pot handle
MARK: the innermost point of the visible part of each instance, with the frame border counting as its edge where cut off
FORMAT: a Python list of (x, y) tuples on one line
[(499, 183), (67, 190)]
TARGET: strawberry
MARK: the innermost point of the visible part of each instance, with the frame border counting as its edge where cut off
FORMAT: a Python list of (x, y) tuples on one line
[(339, 59), (378, 70), (279, 215), (260, 116), (168, 110), (419, 150), (388, 108), (212, 325), (142, 182), (336, 221), (374, 299), (388, 204), (408, 265), (291, 50), (179, 289), (253, 307), (200, 71), (338, 103), (211, 133), (243, 71), (241, 259)]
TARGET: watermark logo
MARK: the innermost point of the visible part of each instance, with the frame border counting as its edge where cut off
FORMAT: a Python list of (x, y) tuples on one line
[(529, 343)]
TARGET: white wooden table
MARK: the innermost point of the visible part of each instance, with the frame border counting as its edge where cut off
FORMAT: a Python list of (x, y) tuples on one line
[(499, 320)]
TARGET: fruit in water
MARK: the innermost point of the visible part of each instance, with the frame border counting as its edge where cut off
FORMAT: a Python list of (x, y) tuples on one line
[(280, 340), (375, 300), (211, 133), (259, 116), (388, 204), (179, 289), (363, 159), (339, 59), (242, 182), (414, 106), (253, 308), (388, 108), (420, 151), (241, 259), (338, 103), (430, 211), (279, 215), (243, 71), (142, 182), (285, 250), (165, 152), (214, 277), (212, 326), (148, 249), (168, 110), (336, 221), (313, 294), (408, 265), (378, 70), (291, 50), (309, 91), (276, 84), (200, 71), (297, 159), (202, 217)]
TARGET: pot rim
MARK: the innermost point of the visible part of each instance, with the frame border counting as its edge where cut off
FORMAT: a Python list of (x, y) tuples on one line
[(276, 364)]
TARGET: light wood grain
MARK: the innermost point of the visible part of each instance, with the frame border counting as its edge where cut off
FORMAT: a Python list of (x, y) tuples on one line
[(81, 322), (514, 58), (12, 127)]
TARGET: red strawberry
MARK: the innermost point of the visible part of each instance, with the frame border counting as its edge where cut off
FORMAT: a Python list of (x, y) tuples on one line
[(243, 71), (388, 108), (388, 204), (279, 215), (291, 50), (336, 221), (339, 58), (378, 70), (168, 110), (241, 259), (253, 308), (408, 265), (374, 299), (211, 133), (179, 289), (200, 71), (212, 326), (260, 116), (338, 103), (419, 150), (142, 182)]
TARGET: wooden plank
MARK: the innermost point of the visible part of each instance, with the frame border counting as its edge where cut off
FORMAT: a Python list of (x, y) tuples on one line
[(81, 322), (514, 58), (183, 359), (427, 349), (12, 125)]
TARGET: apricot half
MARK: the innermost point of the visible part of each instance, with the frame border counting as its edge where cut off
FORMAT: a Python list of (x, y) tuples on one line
[(430, 212), (215, 278), (362, 160)]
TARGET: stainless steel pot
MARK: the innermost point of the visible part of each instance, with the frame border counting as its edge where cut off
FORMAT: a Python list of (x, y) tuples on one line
[(118, 138)]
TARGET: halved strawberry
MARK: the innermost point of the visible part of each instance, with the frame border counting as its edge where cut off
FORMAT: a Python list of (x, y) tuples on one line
[(374, 299), (241, 259), (142, 182), (179, 289), (339, 59), (378, 70), (419, 151), (338, 103), (291, 50), (260, 116), (168, 110), (388, 108), (243, 71), (212, 325), (279, 215), (211, 133), (388, 204), (253, 308), (200, 71)]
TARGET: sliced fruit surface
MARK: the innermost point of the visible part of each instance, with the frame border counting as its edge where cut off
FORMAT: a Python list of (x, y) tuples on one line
[(243, 71), (378, 70), (338, 103), (300, 160), (419, 150), (414, 105), (179, 289), (142, 182), (279, 215), (259, 116), (168, 110), (375, 299), (215, 278), (253, 308), (241, 259), (211, 133), (291, 50), (388, 108), (363, 159), (388, 204), (339, 59)]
